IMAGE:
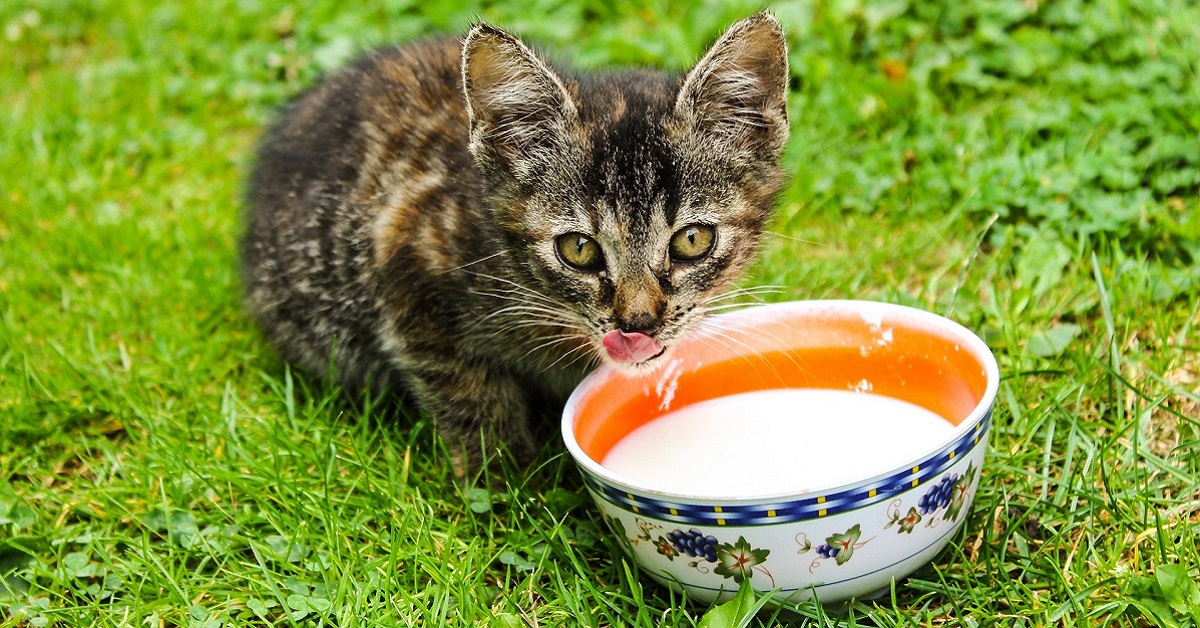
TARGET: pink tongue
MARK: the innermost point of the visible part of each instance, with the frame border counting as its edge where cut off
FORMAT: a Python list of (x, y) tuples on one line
[(631, 348)]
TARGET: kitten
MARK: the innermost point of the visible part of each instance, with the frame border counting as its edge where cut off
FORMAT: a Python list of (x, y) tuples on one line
[(464, 222)]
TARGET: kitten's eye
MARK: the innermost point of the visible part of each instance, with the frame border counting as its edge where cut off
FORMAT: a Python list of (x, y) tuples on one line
[(580, 252), (692, 242)]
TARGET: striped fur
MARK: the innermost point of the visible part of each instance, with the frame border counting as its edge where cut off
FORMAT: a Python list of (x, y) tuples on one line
[(404, 212)]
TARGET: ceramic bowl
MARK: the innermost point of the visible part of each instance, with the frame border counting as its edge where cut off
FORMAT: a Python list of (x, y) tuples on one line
[(832, 542)]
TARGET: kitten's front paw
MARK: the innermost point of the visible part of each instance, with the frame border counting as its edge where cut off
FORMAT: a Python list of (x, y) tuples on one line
[(475, 462)]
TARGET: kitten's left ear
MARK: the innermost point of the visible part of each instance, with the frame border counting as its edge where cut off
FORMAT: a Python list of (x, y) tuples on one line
[(521, 112), (736, 96)]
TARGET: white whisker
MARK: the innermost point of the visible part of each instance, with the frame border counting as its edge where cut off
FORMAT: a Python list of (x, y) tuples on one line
[(733, 343), (553, 340), (517, 296), (527, 322), (750, 291), (482, 259), (540, 312), (726, 306), (516, 286), (795, 239), (762, 339), (578, 349)]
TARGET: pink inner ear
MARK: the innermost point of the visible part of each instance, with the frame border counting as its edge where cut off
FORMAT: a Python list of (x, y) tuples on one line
[(631, 348)]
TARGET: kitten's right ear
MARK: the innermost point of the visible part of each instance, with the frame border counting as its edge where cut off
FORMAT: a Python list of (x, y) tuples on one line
[(521, 112)]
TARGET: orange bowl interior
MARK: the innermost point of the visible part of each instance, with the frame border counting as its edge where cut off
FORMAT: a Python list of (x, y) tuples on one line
[(827, 349)]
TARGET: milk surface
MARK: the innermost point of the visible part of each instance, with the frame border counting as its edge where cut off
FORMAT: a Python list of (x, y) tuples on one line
[(775, 441)]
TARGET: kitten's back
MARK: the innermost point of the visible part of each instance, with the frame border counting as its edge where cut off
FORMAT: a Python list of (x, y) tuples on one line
[(324, 172)]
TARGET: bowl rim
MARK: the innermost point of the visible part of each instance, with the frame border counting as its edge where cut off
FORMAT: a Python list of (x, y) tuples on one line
[(929, 320)]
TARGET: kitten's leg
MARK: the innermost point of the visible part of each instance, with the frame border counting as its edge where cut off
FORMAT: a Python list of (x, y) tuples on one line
[(477, 411)]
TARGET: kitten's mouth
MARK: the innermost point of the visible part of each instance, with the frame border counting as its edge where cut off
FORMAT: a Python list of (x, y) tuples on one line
[(630, 349)]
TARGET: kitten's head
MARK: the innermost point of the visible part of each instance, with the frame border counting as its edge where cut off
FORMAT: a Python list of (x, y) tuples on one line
[(631, 199)]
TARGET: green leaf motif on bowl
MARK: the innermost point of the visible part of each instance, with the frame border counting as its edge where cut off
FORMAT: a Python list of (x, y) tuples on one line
[(665, 548), (840, 547), (737, 560), (908, 522)]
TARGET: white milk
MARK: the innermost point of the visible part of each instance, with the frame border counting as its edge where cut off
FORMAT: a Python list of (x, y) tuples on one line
[(775, 441)]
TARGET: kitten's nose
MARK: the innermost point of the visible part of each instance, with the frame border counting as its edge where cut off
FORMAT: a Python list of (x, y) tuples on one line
[(639, 304), (639, 323)]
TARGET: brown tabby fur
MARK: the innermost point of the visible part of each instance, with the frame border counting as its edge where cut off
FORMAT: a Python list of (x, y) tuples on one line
[(404, 211)]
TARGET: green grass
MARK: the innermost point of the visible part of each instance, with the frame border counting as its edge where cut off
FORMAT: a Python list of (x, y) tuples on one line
[(1029, 169)]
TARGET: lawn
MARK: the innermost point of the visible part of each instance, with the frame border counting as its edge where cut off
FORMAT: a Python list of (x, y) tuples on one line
[(1030, 169)]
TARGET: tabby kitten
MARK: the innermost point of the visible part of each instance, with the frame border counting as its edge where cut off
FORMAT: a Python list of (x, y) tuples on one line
[(464, 222)]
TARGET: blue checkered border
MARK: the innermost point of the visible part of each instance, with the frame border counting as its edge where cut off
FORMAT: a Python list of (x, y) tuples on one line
[(808, 508)]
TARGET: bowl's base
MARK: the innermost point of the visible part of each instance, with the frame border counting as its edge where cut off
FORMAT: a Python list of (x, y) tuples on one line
[(875, 595)]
